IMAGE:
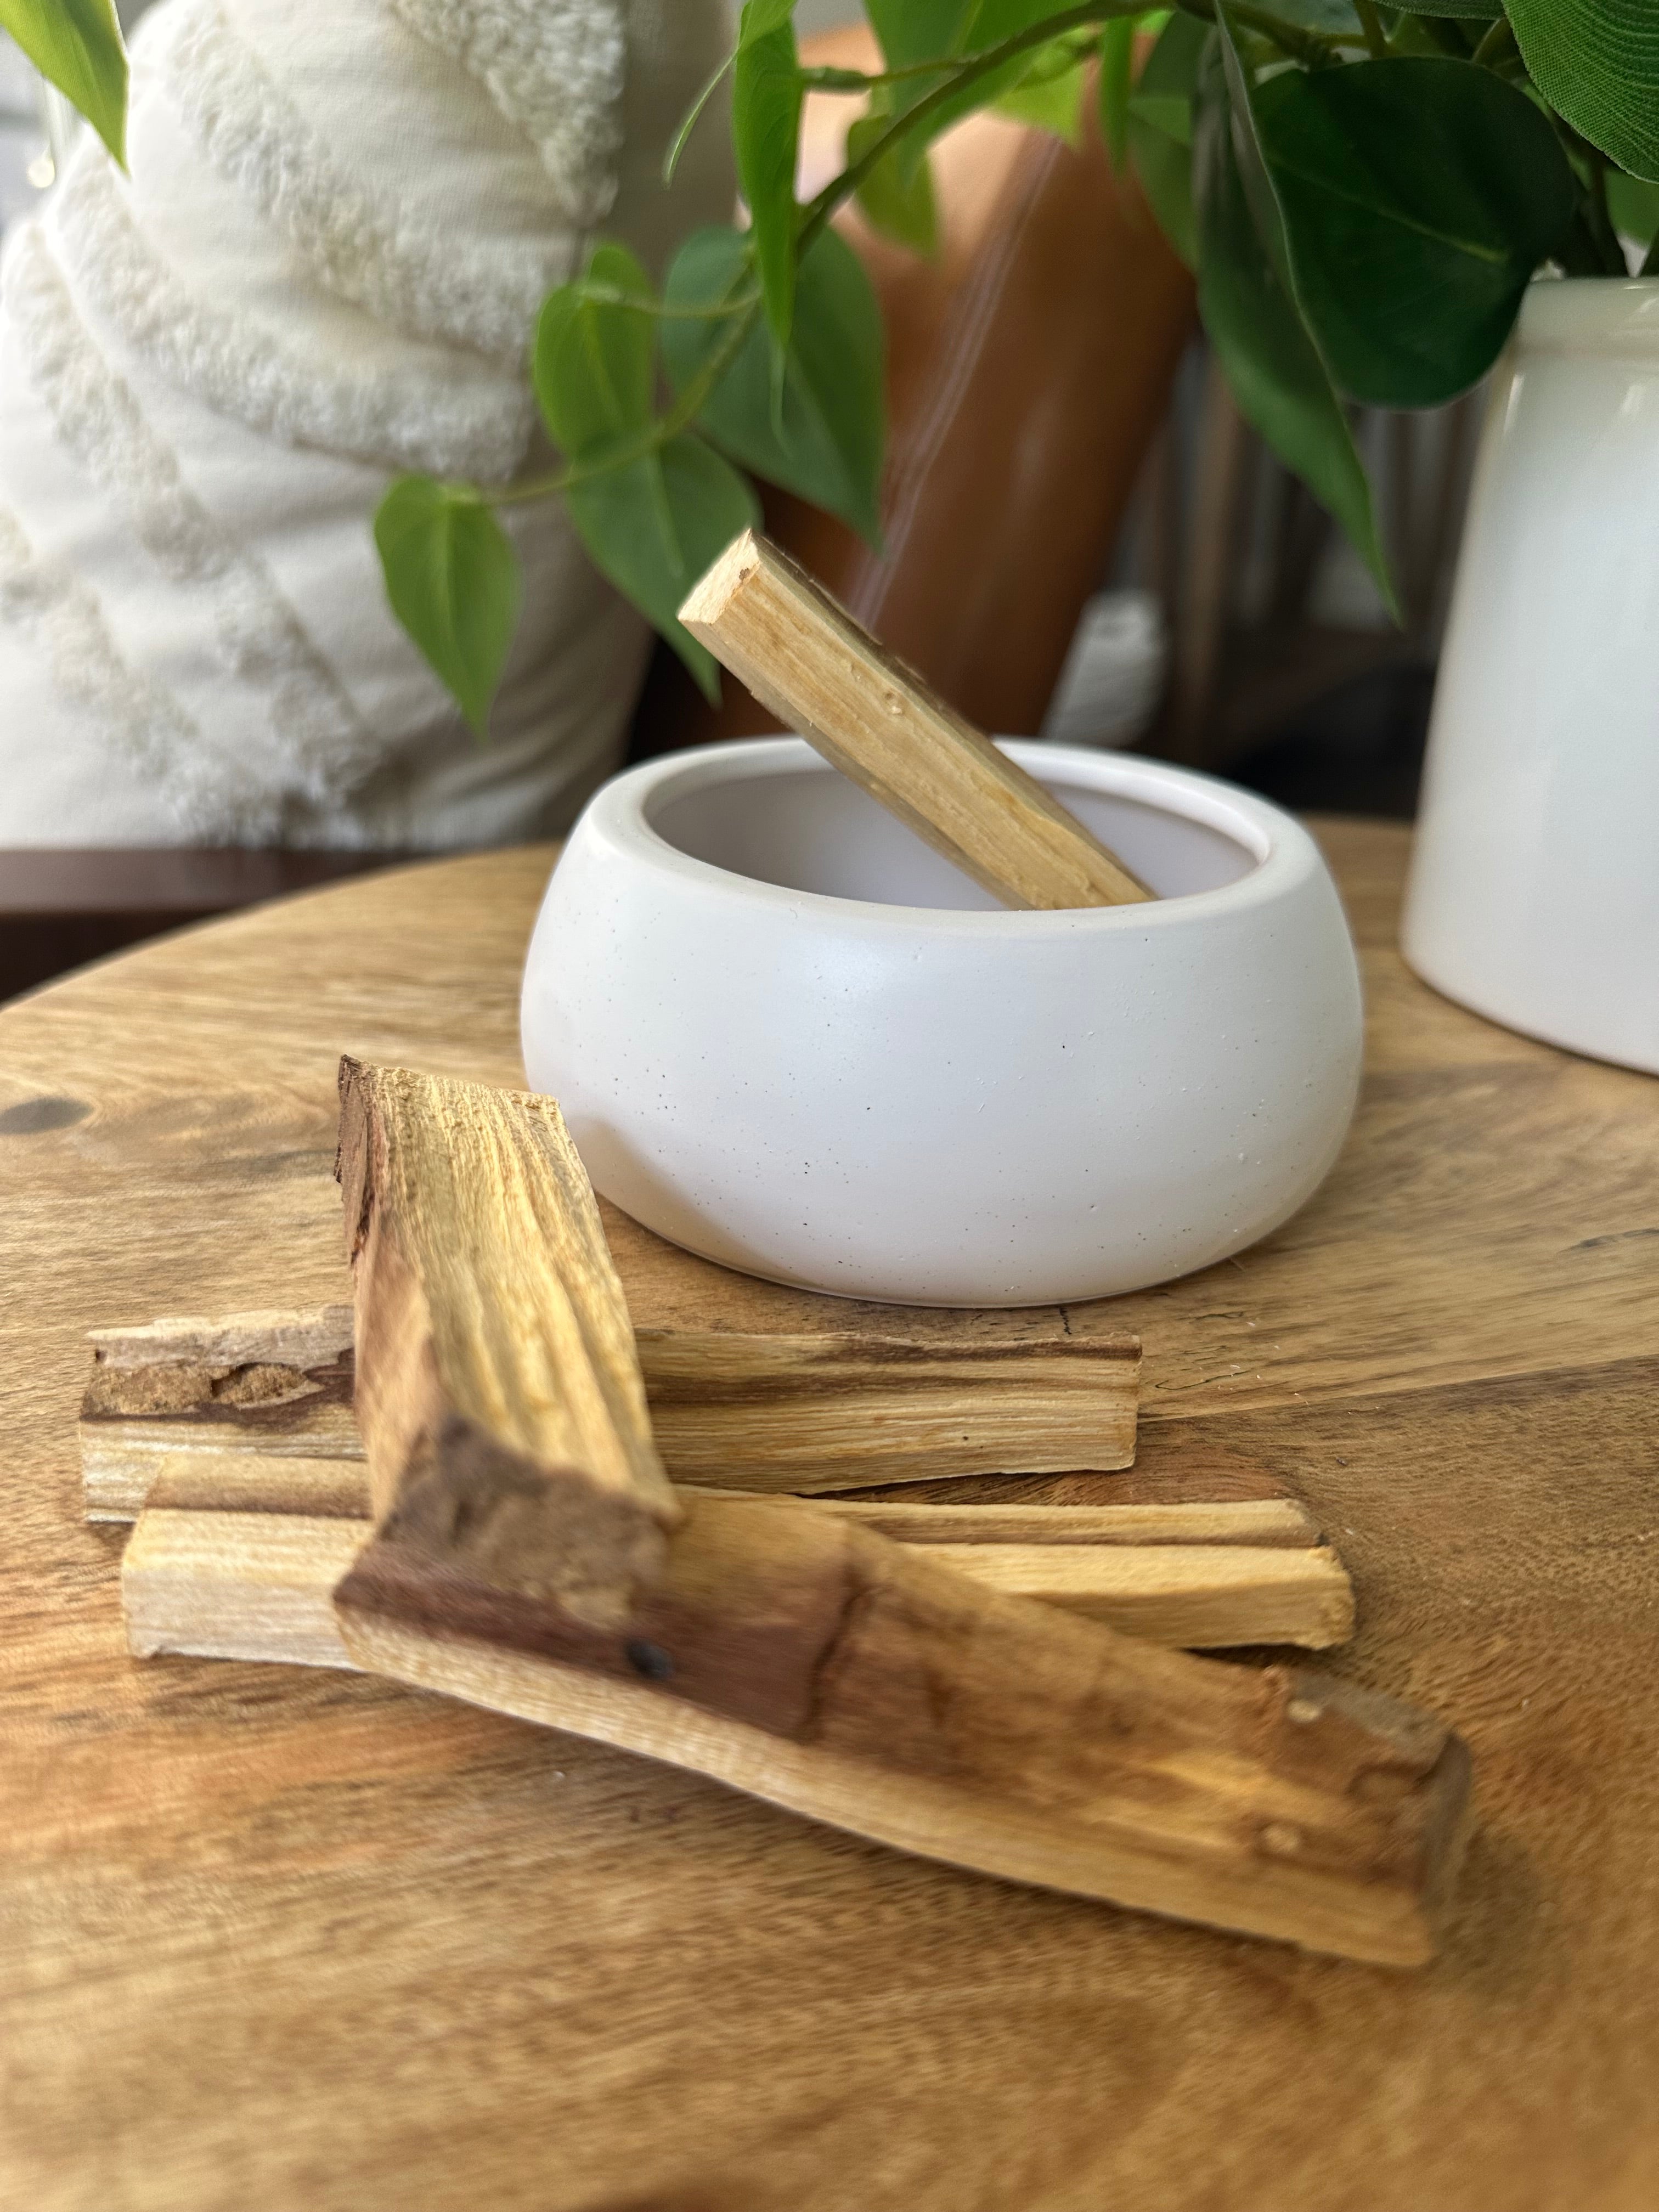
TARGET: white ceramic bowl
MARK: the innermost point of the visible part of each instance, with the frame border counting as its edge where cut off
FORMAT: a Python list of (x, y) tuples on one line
[(788, 1035)]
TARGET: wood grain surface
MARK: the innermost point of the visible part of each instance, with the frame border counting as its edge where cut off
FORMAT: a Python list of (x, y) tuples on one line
[(305, 1940)]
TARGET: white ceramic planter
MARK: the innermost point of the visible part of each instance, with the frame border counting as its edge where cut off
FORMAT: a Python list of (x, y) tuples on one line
[(788, 1035), (1535, 887)]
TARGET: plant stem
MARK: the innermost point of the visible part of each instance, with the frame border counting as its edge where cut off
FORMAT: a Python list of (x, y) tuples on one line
[(1495, 45), (1376, 44), (680, 417), (819, 211), (608, 295)]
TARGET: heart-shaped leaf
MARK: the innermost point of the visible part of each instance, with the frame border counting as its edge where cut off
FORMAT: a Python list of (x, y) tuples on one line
[(1597, 64), (656, 526), (1419, 196), (77, 46), (825, 441), (452, 579), (595, 355)]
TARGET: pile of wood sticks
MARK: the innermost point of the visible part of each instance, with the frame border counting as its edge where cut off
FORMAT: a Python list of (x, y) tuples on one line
[(479, 1481)]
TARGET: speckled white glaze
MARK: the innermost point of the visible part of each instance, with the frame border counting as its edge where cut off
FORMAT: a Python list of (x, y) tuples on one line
[(789, 1036)]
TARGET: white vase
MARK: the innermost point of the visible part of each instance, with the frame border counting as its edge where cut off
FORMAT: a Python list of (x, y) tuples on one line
[(1534, 896)]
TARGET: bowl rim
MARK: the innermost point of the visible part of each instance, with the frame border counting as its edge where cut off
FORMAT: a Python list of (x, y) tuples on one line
[(618, 815)]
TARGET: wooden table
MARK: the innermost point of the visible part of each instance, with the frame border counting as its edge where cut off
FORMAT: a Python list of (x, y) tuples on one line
[(282, 1939)]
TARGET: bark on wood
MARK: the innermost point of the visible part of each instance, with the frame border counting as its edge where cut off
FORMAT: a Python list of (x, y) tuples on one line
[(499, 1397), (737, 1408), (805, 658), (798, 1655)]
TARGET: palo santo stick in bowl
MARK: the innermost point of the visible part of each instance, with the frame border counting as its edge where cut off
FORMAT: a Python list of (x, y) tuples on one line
[(805, 658)]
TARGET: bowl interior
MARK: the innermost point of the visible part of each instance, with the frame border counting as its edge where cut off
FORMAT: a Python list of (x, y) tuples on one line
[(811, 829)]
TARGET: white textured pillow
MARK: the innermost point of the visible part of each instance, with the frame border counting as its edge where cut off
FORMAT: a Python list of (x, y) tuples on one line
[(339, 224)]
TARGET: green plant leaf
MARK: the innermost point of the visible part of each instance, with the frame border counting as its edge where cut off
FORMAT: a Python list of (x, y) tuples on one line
[(761, 17), (826, 442), (77, 46), (898, 198), (1049, 94), (766, 98), (1419, 196), (1160, 131), (452, 578), (1467, 11), (912, 31), (656, 526), (1596, 62), (1117, 57), (594, 357), (1633, 204), (1273, 365)]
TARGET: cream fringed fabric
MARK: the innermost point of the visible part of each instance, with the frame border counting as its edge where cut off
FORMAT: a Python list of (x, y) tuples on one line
[(325, 266)]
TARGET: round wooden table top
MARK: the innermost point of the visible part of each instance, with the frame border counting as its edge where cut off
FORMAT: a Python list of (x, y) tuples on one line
[(282, 1938)]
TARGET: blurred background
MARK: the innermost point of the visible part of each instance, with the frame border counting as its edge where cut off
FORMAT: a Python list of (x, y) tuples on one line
[(1062, 452), (1235, 629)]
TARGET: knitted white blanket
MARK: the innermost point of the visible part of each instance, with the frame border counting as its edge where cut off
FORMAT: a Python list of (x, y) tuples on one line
[(324, 267)]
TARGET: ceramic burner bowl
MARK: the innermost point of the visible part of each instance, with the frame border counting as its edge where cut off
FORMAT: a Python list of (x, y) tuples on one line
[(788, 1035)]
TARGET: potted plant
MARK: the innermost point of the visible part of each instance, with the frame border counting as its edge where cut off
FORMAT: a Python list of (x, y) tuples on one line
[(1367, 194)]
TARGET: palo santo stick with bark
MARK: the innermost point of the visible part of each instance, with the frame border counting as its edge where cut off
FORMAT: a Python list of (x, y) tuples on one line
[(791, 1653), (212, 1568), (805, 657), (498, 1396), (737, 1408)]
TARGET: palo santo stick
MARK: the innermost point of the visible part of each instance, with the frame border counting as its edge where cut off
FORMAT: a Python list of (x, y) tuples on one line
[(805, 658), (238, 1585), (739, 1409), (212, 1578), (796, 1655), (853, 1408), (250, 1478), (280, 1382), (1200, 1597), (1259, 1522), (500, 1401)]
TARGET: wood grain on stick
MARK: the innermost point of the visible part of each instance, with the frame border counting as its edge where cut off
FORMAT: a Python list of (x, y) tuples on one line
[(741, 1408), (201, 1580), (497, 1392), (805, 657), (797, 1655)]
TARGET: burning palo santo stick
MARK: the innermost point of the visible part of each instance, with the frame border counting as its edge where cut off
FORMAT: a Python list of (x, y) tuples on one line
[(805, 658)]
